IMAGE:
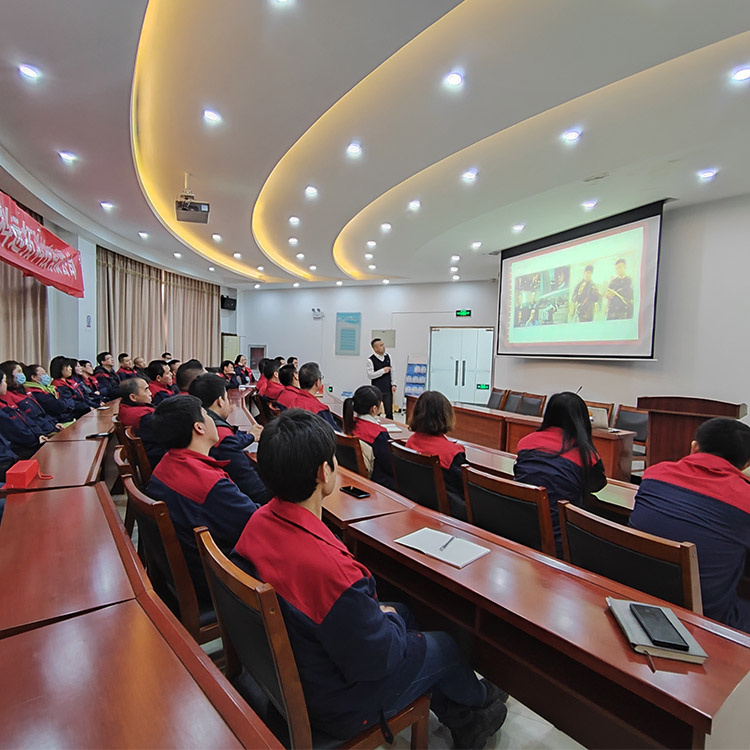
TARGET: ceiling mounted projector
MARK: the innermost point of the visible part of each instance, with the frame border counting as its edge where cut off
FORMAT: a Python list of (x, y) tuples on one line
[(187, 208)]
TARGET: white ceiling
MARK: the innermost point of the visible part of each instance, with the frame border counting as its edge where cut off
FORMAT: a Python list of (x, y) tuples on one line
[(647, 81)]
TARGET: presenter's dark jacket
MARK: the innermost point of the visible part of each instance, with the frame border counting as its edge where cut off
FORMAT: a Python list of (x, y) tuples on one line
[(705, 500), (159, 392), (305, 400), (198, 492), (385, 381), (61, 410), (140, 418), (22, 434), (350, 654), (231, 450), (7, 456), (376, 435), (66, 390), (540, 462), (108, 382), (127, 372), (451, 457), (232, 380), (33, 411)]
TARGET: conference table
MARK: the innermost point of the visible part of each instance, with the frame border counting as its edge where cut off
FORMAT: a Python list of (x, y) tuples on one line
[(541, 629)]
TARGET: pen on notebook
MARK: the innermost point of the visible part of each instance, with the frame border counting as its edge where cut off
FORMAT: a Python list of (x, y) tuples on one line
[(443, 546)]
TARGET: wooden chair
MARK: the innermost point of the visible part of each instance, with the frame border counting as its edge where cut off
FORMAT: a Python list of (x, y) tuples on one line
[(512, 401), (266, 410), (128, 455), (420, 478), (660, 567), (125, 469), (532, 405), (610, 407), (349, 454), (166, 566), (635, 420), (497, 398), (510, 509), (255, 637), (136, 449)]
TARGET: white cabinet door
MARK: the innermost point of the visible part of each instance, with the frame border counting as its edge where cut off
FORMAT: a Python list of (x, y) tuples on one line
[(467, 380), (460, 361), (445, 361)]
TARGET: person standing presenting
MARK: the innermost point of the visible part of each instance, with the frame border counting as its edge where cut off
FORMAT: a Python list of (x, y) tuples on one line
[(379, 368)]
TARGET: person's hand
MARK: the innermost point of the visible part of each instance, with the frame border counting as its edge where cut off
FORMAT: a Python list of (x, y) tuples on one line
[(393, 388), (43, 439), (386, 369), (386, 608), (59, 426), (255, 430)]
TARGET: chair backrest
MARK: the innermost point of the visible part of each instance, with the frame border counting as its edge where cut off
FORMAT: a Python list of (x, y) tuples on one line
[(127, 450), (266, 410), (643, 561), (635, 420), (136, 449), (497, 398), (512, 401), (610, 407), (420, 478), (510, 509), (532, 404), (125, 469), (255, 636), (349, 454), (165, 561)]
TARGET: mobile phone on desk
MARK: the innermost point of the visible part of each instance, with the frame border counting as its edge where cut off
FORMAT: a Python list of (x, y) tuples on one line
[(97, 435), (355, 492), (658, 627)]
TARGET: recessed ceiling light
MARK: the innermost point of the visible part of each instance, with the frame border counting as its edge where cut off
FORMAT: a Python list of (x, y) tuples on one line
[(455, 258), (238, 255), (386, 281), (368, 256), (706, 175), (455, 278), (519, 227), (385, 227), (257, 286), (294, 220), (143, 235), (260, 268), (339, 283), (177, 255), (281, 2), (67, 156), (371, 244), (210, 116), (354, 149), (29, 71), (588, 205), (470, 175), (313, 268), (453, 269), (216, 237), (415, 205), (571, 136), (211, 268), (296, 284), (107, 205), (476, 245), (311, 191), (293, 241), (300, 256), (372, 266), (454, 79), (741, 74)]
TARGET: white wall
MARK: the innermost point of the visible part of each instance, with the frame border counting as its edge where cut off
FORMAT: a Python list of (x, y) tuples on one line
[(701, 344)]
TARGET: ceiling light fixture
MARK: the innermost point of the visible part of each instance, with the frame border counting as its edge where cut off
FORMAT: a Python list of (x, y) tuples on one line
[(454, 269), (260, 268), (107, 205), (296, 284), (371, 244), (300, 256), (313, 268), (368, 256), (372, 266), (294, 220), (470, 175), (311, 191), (415, 205), (385, 227), (455, 258), (454, 79), (293, 241), (211, 268), (210, 116), (339, 283), (706, 175), (238, 255), (476, 245), (257, 286), (354, 150), (741, 74), (29, 71), (216, 237), (518, 228), (67, 156), (456, 278), (571, 136), (177, 255), (143, 235), (386, 281), (588, 205)]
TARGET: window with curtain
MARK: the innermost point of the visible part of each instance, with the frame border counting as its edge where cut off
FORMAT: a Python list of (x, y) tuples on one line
[(24, 322), (144, 311)]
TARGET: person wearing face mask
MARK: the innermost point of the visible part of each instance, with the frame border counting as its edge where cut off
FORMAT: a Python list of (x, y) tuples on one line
[(39, 383), (23, 399), (21, 433)]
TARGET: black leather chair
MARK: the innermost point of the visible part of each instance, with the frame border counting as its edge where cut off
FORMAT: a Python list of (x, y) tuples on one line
[(513, 401), (635, 420), (532, 405), (510, 509), (497, 398), (420, 478)]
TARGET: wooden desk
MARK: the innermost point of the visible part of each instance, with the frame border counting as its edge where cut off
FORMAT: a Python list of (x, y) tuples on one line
[(118, 677), (63, 552), (80, 428), (541, 629)]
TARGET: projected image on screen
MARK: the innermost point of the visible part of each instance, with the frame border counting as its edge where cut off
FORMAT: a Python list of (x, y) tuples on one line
[(592, 296)]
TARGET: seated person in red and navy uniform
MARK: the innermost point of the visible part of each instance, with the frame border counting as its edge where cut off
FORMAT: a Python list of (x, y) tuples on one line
[(289, 378), (226, 370), (24, 436), (704, 498), (160, 381), (310, 385), (242, 371), (85, 375), (274, 388), (262, 382), (26, 401), (367, 404), (359, 661), (127, 369), (186, 373), (173, 366), (196, 489), (39, 384), (105, 375), (233, 442), (7, 456), (432, 417), (561, 456), (137, 411), (61, 370)]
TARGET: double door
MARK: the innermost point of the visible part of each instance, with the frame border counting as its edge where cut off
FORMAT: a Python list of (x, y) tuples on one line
[(461, 363)]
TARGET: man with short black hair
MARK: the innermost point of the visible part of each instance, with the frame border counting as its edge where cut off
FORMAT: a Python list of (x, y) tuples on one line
[(187, 372), (166, 356), (126, 367), (273, 385), (194, 486), (704, 498), (292, 361), (289, 379), (160, 380), (359, 661), (380, 374), (106, 377), (310, 385), (211, 389)]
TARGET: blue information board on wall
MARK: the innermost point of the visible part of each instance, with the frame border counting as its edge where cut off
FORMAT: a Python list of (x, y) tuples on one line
[(348, 333)]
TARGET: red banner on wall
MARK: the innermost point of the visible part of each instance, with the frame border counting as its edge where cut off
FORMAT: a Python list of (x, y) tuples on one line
[(27, 245)]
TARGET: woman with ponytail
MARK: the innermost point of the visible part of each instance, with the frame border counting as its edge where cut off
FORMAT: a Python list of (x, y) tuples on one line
[(360, 420), (561, 456)]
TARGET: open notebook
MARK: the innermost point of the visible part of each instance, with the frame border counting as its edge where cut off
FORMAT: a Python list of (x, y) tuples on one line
[(455, 551)]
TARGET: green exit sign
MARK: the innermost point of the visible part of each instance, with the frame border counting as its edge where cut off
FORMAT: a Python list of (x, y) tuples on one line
[(463, 313), (483, 386)]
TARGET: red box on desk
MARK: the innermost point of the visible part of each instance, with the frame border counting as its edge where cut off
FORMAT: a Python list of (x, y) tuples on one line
[(21, 474)]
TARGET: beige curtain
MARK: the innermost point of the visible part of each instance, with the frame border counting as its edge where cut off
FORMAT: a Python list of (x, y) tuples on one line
[(24, 323), (130, 306), (193, 310)]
